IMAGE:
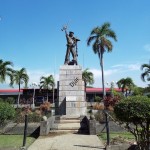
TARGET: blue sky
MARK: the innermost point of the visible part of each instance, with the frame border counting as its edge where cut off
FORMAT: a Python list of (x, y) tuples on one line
[(31, 36)]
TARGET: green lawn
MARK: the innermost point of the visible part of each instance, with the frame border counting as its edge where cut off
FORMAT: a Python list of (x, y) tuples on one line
[(124, 135), (14, 141)]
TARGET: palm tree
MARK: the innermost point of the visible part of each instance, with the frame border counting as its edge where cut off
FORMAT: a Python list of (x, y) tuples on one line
[(20, 77), (47, 83), (146, 73), (126, 84), (88, 78), (100, 37), (5, 70)]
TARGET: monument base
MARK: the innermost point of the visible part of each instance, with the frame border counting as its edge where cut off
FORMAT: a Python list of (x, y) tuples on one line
[(71, 91)]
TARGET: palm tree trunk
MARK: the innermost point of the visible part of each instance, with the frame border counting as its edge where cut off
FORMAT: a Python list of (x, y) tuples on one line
[(104, 94), (18, 97), (47, 95), (102, 69), (53, 94)]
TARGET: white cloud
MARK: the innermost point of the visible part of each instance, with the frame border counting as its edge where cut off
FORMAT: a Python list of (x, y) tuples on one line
[(117, 72), (97, 72), (110, 72), (134, 67), (147, 47), (127, 67), (109, 75), (35, 75), (114, 74), (118, 65)]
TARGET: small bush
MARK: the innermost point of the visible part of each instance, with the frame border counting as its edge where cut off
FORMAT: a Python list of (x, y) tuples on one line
[(98, 99), (34, 117), (100, 116), (45, 107), (98, 106), (134, 111), (10, 100), (7, 112)]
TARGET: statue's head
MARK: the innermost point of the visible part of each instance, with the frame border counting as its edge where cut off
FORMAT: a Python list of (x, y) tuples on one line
[(71, 33)]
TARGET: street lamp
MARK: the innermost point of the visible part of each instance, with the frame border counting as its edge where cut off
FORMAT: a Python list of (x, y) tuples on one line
[(34, 85)]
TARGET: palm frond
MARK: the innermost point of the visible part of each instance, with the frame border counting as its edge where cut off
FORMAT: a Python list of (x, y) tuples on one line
[(147, 66), (90, 39), (111, 34), (107, 44), (95, 47), (146, 73)]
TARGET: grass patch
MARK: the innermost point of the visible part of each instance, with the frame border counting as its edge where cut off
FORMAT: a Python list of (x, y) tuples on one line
[(14, 141), (125, 135)]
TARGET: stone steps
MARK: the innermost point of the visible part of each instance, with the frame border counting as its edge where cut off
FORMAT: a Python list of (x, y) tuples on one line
[(62, 131), (67, 121), (68, 124), (57, 132), (66, 117)]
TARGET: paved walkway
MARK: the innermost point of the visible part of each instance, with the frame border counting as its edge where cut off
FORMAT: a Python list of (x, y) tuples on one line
[(68, 142)]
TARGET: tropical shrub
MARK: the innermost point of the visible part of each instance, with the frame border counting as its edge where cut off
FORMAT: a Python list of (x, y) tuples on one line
[(98, 99), (134, 111), (33, 116), (10, 100), (45, 107), (98, 106), (100, 116), (1, 99), (7, 112), (110, 101)]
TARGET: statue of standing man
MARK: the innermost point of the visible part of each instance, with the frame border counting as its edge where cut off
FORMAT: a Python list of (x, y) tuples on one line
[(71, 48)]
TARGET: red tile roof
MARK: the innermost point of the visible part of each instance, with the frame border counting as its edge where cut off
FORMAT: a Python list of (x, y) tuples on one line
[(90, 90), (10, 90)]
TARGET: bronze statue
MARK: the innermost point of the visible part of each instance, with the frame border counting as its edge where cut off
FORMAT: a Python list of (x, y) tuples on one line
[(71, 48)]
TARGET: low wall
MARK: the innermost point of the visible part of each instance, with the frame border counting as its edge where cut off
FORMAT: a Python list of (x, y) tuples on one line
[(113, 127), (45, 126), (91, 124), (18, 129)]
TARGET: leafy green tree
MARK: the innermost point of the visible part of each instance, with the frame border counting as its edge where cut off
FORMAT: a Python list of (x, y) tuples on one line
[(7, 112), (126, 84), (20, 77), (47, 83), (134, 111), (146, 73), (100, 36), (5, 70), (138, 91), (147, 91)]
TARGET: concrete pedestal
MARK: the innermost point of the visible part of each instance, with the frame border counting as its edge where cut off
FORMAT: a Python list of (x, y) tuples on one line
[(71, 92)]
